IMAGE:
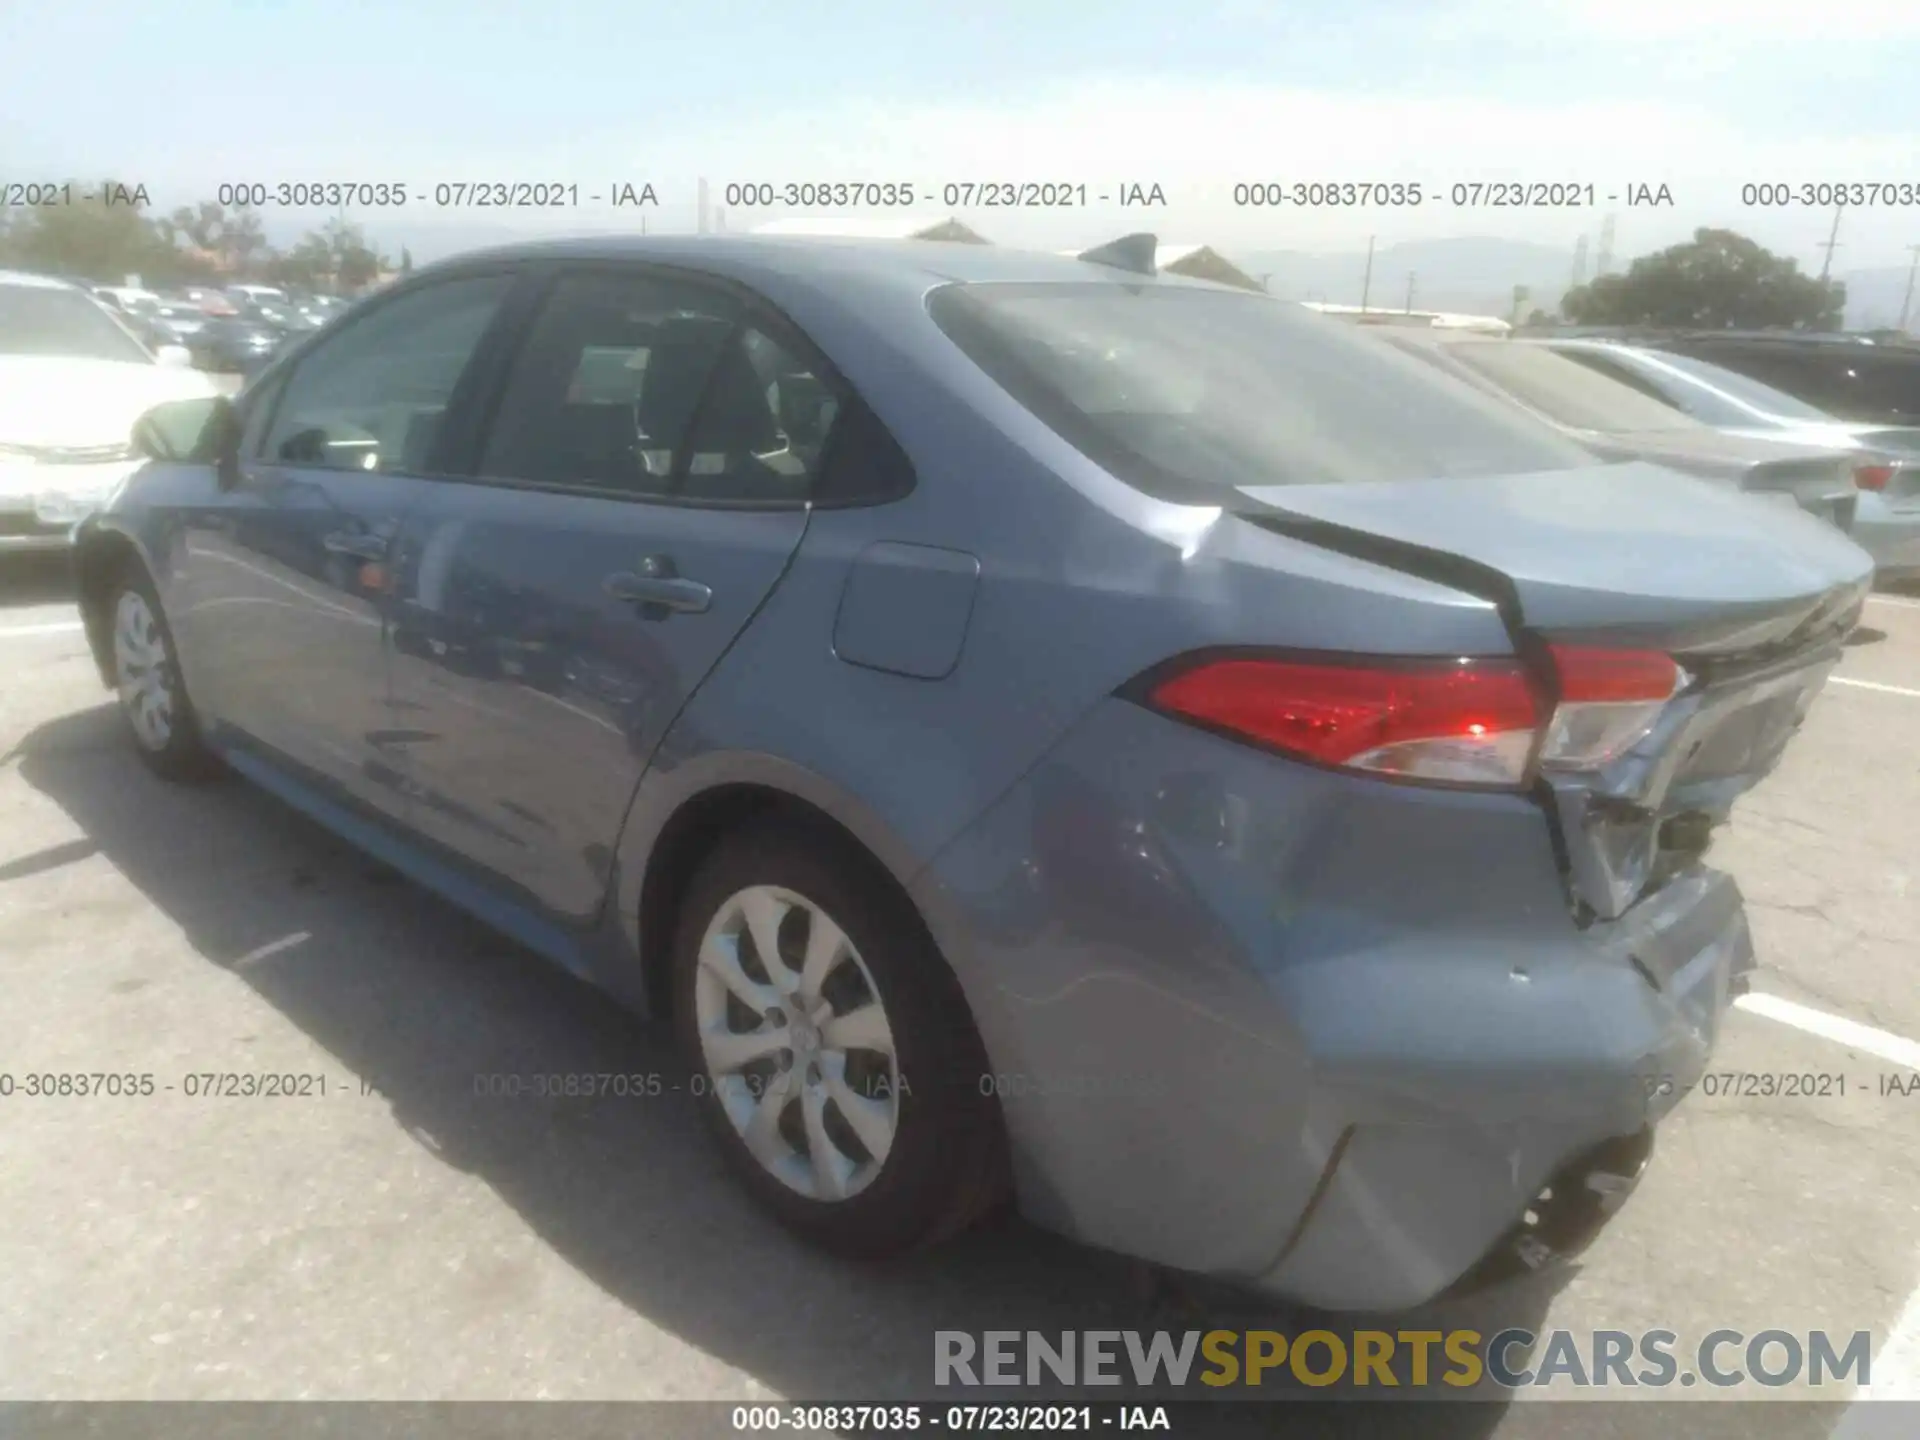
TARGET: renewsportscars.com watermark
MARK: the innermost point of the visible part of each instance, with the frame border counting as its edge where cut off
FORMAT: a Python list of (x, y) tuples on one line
[(1409, 1359)]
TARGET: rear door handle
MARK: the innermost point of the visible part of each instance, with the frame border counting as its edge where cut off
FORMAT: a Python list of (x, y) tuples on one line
[(362, 545), (659, 589)]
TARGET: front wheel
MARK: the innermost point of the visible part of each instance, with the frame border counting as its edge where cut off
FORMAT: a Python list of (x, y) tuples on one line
[(146, 675), (834, 1054)]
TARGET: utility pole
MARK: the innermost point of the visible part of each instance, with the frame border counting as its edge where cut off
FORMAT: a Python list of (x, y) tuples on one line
[(1906, 305), (701, 220), (1366, 283), (1410, 280), (1833, 243), (1520, 296)]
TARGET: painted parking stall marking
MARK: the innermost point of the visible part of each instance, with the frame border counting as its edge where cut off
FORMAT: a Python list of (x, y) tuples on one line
[(1876, 686), (1878, 1043)]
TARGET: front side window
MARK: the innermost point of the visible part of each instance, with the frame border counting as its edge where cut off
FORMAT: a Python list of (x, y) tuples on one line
[(373, 396), (1184, 393), (64, 324)]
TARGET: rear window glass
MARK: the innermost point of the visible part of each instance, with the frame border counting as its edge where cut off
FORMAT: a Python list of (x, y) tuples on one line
[(1564, 390), (1742, 389), (1186, 392), (1851, 384)]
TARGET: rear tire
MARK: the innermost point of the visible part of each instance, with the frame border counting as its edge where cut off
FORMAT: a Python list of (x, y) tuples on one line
[(842, 1077), (146, 672)]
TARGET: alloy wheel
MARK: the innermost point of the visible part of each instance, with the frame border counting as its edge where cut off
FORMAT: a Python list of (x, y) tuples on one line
[(143, 671), (796, 1043)]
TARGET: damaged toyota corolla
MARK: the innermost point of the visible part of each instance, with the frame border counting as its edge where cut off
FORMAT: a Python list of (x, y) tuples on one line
[(1042, 730)]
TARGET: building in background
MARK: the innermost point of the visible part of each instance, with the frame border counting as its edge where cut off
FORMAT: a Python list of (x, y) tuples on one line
[(1203, 262)]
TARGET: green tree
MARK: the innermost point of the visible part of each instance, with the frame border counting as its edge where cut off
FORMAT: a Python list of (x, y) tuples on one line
[(1717, 280), (336, 256), (206, 242), (88, 240), (231, 237)]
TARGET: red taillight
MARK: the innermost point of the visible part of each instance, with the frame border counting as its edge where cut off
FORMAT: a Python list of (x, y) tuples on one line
[(1468, 721), (1608, 700), (1872, 477), (1613, 676)]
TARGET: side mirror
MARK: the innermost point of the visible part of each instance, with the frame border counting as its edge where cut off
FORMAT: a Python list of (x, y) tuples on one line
[(204, 430), (174, 357)]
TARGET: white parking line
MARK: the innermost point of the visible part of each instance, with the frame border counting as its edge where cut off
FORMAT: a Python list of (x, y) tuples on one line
[(1875, 685), (1894, 600), (1885, 1045), (52, 627), (1896, 1376), (274, 947), (1896, 1364)]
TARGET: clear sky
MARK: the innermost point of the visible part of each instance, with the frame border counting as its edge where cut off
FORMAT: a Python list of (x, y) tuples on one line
[(1700, 94)]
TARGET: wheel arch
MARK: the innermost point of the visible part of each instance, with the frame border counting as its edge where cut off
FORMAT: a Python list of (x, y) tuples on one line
[(680, 814)]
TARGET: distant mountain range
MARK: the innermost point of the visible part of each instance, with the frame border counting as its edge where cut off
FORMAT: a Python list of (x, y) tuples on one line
[(1470, 274)]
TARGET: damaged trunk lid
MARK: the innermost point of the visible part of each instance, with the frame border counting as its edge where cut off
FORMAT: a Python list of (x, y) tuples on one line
[(1751, 600)]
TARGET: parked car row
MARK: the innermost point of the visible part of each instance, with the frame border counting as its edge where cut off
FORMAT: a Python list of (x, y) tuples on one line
[(231, 331)]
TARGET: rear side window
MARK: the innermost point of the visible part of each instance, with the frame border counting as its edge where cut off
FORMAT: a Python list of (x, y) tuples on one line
[(1186, 392), (661, 388), (605, 390)]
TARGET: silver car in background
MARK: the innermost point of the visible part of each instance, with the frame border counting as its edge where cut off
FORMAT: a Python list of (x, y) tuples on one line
[(1619, 422), (1886, 458)]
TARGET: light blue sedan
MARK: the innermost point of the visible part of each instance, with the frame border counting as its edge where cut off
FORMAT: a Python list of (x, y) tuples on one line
[(1043, 730)]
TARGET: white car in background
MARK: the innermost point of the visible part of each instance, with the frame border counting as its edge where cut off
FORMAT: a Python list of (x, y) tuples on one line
[(73, 380)]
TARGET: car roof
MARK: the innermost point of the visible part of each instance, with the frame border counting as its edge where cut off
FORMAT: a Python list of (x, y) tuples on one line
[(845, 261)]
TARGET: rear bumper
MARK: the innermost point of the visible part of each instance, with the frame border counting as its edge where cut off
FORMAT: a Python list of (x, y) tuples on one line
[(1323, 1036), (1413, 1209)]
